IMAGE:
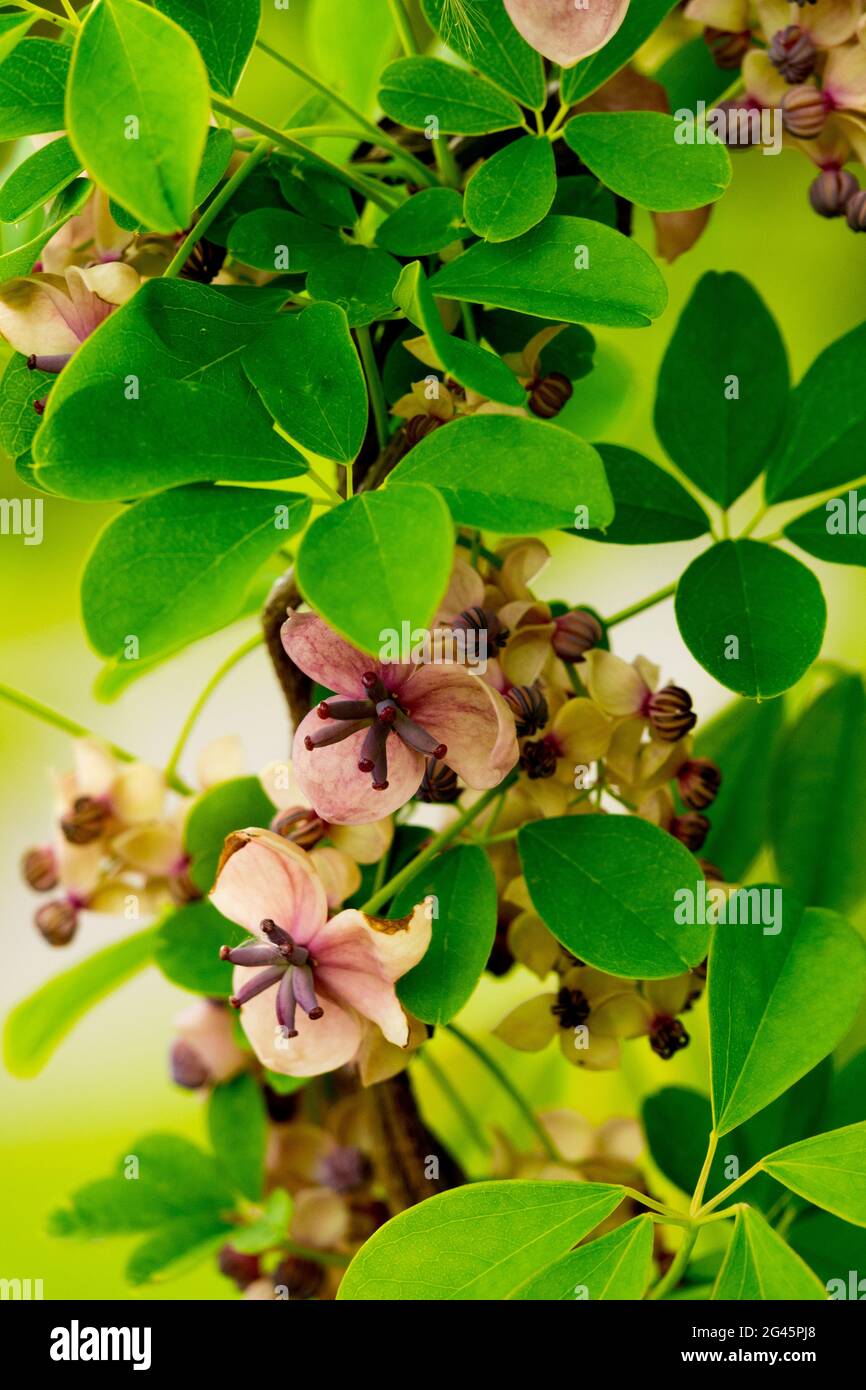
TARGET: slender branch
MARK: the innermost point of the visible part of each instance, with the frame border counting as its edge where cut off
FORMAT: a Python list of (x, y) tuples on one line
[(71, 12), (640, 607), (439, 842), (374, 386), (71, 726), (698, 1196), (215, 207), (47, 15), (366, 188), (403, 27), (508, 1086), (730, 1189), (471, 543), (230, 661), (678, 1267)]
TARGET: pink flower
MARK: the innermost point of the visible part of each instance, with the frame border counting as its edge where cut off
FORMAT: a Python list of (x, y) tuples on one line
[(47, 317), (322, 984), (361, 756), (561, 31)]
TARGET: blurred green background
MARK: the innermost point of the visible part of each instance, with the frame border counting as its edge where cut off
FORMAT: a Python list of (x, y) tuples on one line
[(108, 1083)]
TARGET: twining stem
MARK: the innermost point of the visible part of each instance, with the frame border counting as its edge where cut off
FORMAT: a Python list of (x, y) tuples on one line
[(47, 15), (473, 543), (70, 726), (374, 385), (508, 1086), (71, 12), (730, 1189), (283, 140), (640, 607), (698, 1196), (678, 1267), (230, 661), (439, 842), (458, 1104), (445, 162), (420, 172), (403, 27), (228, 190)]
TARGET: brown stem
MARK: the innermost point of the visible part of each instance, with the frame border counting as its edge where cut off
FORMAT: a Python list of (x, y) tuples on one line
[(296, 687)]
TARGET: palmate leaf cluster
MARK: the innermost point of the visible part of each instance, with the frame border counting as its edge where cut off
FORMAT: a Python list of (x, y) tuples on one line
[(203, 410)]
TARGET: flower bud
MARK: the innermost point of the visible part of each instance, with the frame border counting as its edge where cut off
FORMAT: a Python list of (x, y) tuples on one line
[(670, 713), (792, 51), (39, 868), (538, 760), (728, 48), (188, 1068), (698, 782), (300, 825), (57, 922), (85, 822), (576, 634), (550, 395), (491, 632), (740, 130), (667, 1037), (418, 427), (301, 1279), (804, 111), (241, 1269), (691, 830), (439, 784), (344, 1168), (529, 707), (855, 211), (831, 191)]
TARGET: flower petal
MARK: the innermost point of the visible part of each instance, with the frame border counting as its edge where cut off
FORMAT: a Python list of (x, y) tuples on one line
[(465, 590), (531, 1026), (617, 687), (340, 874), (845, 77), (263, 876), (325, 656), (563, 33), (582, 731), (332, 784), (364, 843), (354, 940), (31, 320), (220, 761), (469, 717), (322, 1044)]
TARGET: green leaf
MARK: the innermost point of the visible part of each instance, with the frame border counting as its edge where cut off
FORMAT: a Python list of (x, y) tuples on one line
[(512, 190), (760, 1266), (18, 419), (490, 43), (143, 577), (104, 444), (726, 340), (641, 21), (314, 192), (236, 1123), (400, 540), (217, 153), (416, 90), (276, 239), (360, 279), (39, 1023), (307, 372), (67, 204), (765, 978), (137, 110), (473, 367), (464, 925), (187, 949), (36, 181), (228, 806), (510, 474), (606, 886), (223, 33), (835, 1250), (13, 28), (636, 154), (177, 1247), (567, 269), (823, 444), (752, 616), (818, 799), (271, 1228), (617, 1266), (835, 530), (828, 1170), (739, 741), (651, 506), (480, 1242), (32, 85), (690, 75), (424, 224), (847, 1103)]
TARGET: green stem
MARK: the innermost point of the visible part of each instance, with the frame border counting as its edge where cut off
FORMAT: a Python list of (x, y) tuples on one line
[(319, 1257), (403, 27), (645, 603), (374, 385), (213, 209), (698, 1196), (285, 141), (71, 12), (730, 1189), (445, 163), (458, 1104), (755, 521), (501, 839), (70, 726), (678, 1268), (419, 171), (331, 493), (439, 842), (230, 661), (47, 15), (508, 1086), (472, 543), (469, 329)]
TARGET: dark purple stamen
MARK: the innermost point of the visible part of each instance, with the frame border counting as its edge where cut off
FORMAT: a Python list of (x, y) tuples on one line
[(287, 1004), (344, 709), (380, 715), (257, 985), (288, 966), (329, 735), (51, 362)]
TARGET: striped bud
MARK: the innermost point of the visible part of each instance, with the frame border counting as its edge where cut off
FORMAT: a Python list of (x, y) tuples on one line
[(39, 868), (698, 782), (804, 111), (85, 822), (792, 51), (855, 211), (529, 707), (576, 634), (831, 192), (691, 830), (439, 784), (670, 713), (57, 922), (550, 395), (728, 48)]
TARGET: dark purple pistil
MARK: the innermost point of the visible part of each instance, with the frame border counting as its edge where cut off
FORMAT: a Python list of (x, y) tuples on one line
[(288, 966), (381, 715), (50, 362)]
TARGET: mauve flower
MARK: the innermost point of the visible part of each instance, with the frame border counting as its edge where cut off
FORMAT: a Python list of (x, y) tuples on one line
[(362, 755), (563, 33), (322, 983), (48, 316)]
